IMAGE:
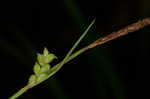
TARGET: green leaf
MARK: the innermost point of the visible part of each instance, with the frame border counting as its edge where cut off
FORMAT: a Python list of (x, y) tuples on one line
[(36, 69)]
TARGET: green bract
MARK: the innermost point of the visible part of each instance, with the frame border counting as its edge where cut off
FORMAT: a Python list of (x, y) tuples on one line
[(32, 79), (36, 69), (40, 59), (45, 58), (44, 68), (49, 58), (45, 52), (41, 77)]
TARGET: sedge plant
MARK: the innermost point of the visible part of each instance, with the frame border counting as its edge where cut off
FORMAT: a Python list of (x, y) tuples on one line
[(42, 70)]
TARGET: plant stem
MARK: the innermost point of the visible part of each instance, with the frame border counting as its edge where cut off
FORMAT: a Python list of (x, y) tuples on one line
[(20, 92), (130, 28), (124, 31)]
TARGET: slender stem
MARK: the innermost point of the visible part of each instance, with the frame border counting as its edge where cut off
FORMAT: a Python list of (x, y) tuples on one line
[(130, 28), (20, 92)]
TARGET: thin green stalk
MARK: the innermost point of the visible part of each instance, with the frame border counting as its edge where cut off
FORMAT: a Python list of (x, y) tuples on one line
[(19, 93)]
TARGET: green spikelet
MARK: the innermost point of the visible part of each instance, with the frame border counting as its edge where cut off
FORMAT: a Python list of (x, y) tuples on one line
[(42, 77), (32, 80), (44, 68), (36, 69)]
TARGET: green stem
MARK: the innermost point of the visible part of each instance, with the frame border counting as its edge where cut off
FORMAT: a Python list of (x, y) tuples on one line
[(124, 31), (20, 92)]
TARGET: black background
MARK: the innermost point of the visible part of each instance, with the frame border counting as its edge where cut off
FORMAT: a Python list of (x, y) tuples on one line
[(110, 71)]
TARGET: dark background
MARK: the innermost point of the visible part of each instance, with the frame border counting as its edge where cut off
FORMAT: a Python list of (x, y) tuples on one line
[(110, 71)]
